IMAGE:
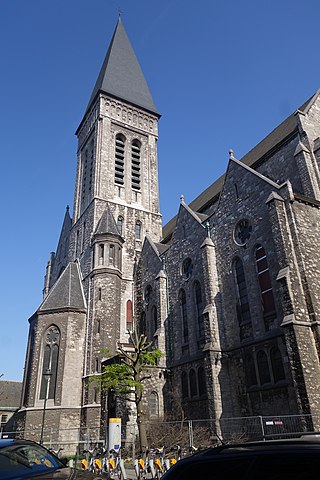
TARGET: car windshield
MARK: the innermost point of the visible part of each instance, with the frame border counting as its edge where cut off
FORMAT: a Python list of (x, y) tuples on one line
[(24, 459)]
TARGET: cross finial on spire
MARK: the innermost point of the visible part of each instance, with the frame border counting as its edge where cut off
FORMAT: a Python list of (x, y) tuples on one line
[(120, 12), (181, 198), (231, 152)]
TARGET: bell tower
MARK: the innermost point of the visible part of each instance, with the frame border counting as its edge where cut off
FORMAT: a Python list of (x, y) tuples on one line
[(116, 199), (88, 300), (117, 138)]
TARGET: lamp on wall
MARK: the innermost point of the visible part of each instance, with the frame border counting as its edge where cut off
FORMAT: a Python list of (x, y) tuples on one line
[(46, 375)]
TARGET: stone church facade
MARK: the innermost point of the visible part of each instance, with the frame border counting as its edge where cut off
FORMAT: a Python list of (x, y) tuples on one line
[(228, 289)]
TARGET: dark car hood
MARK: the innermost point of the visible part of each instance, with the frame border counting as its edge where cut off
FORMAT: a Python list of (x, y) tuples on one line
[(66, 473)]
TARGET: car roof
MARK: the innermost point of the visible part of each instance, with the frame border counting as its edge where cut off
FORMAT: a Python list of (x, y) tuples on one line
[(289, 444), (4, 442)]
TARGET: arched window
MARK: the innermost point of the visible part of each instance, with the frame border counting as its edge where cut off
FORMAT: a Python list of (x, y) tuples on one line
[(183, 315), (120, 224), (201, 381), (154, 404), (147, 295), (263, 367), (154, 321), (199, 308), (277, 365), (193, 383), (264, 281), (250, 370), (184, 385), (112, 255), (135, 164), (87, 157), (119, 159), (101, 254), (50, 362), (143, 324), (243, 311), (129, 316), (138, 230), (187, 268)]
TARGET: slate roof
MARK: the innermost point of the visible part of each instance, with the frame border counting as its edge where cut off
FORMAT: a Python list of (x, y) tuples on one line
[(107, 224), (10, 394), (67, 291), (121, 75), (282, 132)]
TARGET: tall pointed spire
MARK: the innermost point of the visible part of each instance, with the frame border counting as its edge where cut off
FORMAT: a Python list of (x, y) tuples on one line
[(121, 75)]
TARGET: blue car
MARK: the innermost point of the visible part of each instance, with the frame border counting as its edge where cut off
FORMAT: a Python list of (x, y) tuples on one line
[(23, 460)]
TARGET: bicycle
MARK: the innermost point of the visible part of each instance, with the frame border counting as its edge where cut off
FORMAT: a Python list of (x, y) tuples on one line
[(115, 465), (57, 453), (140, 467)]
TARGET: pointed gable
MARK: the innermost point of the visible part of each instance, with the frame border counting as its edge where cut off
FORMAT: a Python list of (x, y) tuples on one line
[(67, 291), (121, 75), (271, 142), (107, 224), (243, 182), (187, 223)]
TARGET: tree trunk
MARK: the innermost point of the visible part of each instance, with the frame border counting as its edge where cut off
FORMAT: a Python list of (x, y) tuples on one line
[(143, 442)]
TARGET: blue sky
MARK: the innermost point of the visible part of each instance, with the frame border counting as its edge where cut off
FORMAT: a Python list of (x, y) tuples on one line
[(222, 73)]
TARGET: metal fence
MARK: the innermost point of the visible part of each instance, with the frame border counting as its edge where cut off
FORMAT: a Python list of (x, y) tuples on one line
[(186, 433)]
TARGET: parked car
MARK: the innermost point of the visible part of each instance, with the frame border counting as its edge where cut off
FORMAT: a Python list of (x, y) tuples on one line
[(289, 459), (23, 460)]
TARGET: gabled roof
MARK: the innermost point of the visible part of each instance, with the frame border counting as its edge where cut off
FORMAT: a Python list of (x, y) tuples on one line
[(10, 394), (279, 135), (107, 224), (67, 291), (121, 75)]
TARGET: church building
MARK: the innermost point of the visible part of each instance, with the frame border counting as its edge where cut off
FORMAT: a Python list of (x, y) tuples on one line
[(228, 289)]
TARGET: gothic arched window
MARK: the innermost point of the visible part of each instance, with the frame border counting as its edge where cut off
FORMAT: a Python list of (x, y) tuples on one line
[(242, 301), (199, 308), (184, 385), (193, 383), (129, 316), (51, 344), (143, 324), (154, 404), (119, 159), (183, 315), (147, 295), (263, 367), (243, 311), (138, 230), (250, 370), (277, 365), (135, 164), (154, 321), (120, 224), (264, 281), (201, 381), (187, 268), (101, 254)]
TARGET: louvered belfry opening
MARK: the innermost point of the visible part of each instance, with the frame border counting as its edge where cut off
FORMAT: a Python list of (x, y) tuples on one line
[(135, 164), (119, 160)]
